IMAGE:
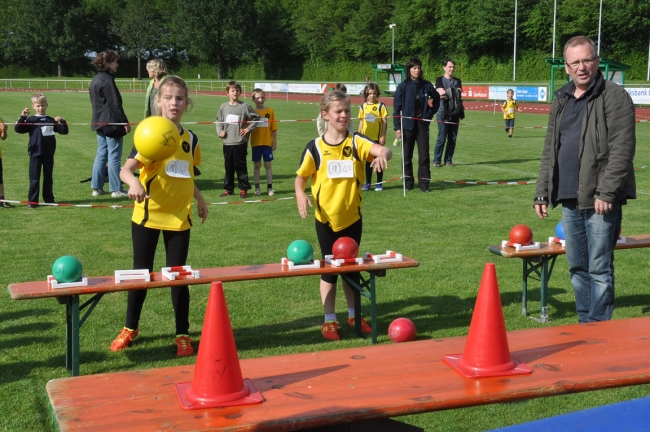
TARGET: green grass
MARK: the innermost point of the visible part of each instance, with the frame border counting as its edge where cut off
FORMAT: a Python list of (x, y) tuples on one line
[(446, 230)]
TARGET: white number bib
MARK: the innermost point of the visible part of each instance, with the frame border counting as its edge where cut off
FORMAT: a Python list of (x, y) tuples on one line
[(178, 168), (264, 122), (511, 110), (232, 119), (369, 118), (340, 169), (47, 130)]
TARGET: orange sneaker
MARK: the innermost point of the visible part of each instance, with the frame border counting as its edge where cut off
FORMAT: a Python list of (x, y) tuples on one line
[(330, 330), (365, 328), (183, 342), (123, 340)]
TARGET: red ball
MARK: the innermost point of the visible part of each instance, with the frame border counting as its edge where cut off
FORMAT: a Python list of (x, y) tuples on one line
[(345, 247), (401, 330), (521, 234)]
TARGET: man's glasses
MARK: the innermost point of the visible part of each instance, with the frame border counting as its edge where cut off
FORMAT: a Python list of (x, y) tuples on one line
[(576, 64)]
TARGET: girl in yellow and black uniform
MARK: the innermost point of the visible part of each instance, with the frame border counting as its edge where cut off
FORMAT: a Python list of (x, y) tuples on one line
[(335, 163), (163, 194)]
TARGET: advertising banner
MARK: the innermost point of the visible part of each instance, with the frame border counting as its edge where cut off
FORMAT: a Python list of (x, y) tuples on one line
[(639, 95), (476, 92)]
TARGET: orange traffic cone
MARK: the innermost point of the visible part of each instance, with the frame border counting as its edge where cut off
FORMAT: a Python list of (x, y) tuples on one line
[(486, 350), (217, 378)]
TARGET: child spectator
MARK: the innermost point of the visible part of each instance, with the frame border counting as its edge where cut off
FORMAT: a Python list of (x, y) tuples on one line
[(264, 141), (321, 124), (3, 136), (508, 108), (338, 198), (163, 202), (373, 121), (41, 147), (233, 128)]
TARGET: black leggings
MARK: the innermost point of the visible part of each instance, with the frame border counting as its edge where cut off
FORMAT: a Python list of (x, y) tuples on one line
[(177, 244), (327, 237)]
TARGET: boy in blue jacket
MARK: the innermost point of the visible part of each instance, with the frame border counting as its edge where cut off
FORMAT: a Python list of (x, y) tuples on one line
[(41, 147)]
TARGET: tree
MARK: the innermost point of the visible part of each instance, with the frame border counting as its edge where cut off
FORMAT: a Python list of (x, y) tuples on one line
[(217, 30), (139, 27), (48, 29)]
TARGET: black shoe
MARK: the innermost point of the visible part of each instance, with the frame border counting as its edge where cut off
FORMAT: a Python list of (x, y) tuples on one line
[(425, 190), (509, 136), (227, 193), (32, 206), (407, 187), (5, 204)]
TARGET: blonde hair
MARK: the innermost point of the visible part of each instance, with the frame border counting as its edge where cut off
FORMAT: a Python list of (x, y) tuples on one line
[(158, 67), (333, 96), (38, 97), (257, 91), (173, 80)]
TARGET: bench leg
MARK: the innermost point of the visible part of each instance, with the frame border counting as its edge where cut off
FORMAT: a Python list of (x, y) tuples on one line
[(367, 289), (524, 290), (72, 334)]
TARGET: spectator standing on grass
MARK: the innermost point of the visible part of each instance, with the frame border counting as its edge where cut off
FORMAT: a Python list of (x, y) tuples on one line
[(41, 148), (235, 121), (373, 122), (509, 107), (3, 136), (106, 104), (264, 140), (450, 89), (157, 70), (412, 116), (587, 166)]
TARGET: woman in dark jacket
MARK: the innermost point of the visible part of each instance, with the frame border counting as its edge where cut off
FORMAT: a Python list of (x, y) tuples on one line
[(414, 104), (107, 108)]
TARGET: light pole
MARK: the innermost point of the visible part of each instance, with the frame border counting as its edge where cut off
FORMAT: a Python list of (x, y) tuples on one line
[(392, 58), (514, 58)]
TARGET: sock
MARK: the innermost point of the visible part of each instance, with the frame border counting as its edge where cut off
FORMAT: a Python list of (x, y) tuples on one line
[(351, 312), (269, 186), (330, 317), (257, 186)]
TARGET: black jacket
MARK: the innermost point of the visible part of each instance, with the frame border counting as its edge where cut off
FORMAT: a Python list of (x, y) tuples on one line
[(106, 103), (404, 102), (42, 141)]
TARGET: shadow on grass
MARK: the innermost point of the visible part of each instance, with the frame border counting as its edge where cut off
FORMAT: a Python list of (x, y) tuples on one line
[(27, 328), (504, 161), (16, 315)]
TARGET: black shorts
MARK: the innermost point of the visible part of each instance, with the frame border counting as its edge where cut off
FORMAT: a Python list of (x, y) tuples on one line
[(510, 123), (327, 237)]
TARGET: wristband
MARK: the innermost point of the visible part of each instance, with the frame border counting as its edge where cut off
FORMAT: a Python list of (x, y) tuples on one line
[(541, 198)]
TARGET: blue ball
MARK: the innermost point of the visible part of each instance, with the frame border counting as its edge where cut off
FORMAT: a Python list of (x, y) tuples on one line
[(559, 231)]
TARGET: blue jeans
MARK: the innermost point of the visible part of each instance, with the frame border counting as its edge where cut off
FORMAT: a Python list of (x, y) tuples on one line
[(447, 132), (590, 242), (108, 150)]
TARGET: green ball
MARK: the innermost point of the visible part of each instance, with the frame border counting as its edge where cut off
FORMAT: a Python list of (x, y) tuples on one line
[(300, 252), (67, 269)]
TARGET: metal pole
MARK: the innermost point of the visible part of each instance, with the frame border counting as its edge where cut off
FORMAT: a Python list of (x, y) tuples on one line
[(392, 59), (600, 18), (514, 58), (554, 19)]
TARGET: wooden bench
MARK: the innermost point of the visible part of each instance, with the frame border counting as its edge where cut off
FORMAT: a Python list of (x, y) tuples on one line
[(317, 389), (106, 284), (541, 261)]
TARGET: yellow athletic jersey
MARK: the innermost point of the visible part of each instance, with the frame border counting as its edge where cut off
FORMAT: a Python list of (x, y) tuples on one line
[(1, 123), (337, 172), (169, 183), (510, 107), (262, 134), (372, 117)]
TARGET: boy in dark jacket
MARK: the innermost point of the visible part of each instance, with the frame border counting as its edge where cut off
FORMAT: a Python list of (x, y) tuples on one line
[(41, 147)]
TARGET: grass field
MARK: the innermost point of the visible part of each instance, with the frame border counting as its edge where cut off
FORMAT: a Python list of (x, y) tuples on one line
[(446, 230)]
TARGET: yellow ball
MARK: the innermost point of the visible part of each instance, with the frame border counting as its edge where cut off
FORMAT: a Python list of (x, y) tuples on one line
[(156, 138)]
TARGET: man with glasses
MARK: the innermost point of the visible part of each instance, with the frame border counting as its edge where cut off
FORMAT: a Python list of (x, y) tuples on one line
[(587, 167)]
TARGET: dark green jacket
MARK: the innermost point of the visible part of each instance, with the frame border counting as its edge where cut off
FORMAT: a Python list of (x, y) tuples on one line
[(607, 147)]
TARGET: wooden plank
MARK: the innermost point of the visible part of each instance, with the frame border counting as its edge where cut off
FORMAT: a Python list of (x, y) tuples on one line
[(632, 242), (105, 284), (357, 384)]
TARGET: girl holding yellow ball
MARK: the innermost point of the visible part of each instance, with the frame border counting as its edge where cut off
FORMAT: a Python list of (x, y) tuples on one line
[(163, 203)]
